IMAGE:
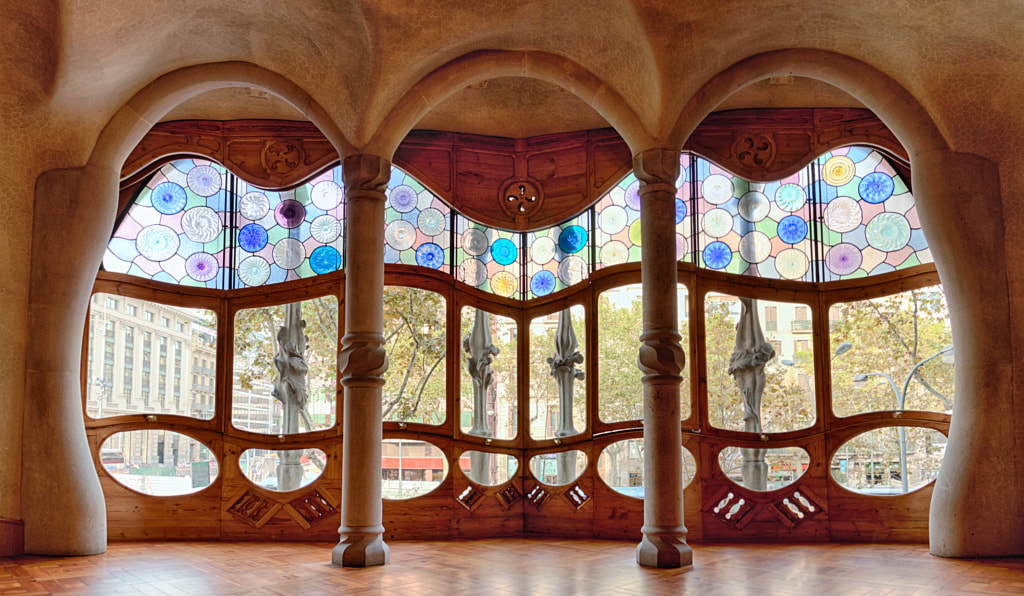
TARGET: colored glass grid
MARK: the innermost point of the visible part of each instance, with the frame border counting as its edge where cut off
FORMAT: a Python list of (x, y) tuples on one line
[(175, 231), (292, 234), (559, 256), (869, 221), (488, 258), (417, 224)]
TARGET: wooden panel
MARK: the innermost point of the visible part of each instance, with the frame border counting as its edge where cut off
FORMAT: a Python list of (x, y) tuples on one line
[(12, 537)]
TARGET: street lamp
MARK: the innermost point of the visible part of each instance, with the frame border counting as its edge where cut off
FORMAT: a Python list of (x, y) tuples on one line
[(104, 385), (840, 350), (901, 400)]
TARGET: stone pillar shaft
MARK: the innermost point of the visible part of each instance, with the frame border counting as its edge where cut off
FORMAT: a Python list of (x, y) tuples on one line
[(661, 359), (361, 363)]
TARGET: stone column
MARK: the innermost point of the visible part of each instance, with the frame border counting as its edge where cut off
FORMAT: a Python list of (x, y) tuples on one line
[(362, 362), (661, 359)]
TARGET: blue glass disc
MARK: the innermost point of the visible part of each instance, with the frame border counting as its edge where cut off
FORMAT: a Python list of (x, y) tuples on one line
[(792, 229), (168, 198), (252, 238), (430, 255), (324, 259), (542, 283), (717, 255), (572, 239), (680, 211), (876, 187), (504, 251)]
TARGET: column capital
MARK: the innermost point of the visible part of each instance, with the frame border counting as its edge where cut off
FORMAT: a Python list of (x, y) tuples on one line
[(656, 167), (365, 176)]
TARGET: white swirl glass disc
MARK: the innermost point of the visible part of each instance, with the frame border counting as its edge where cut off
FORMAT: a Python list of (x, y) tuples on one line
[(614, 253), (326, 195), (888, 232), (843, 214), (289, 253), (613, 219), (201, 224), (717, 223), (791, 264), (790, 197), (325, 229), (542, 250), (717, 189), (431, 221), (572, 270), (400, 234), (473, 272), (204, 180), (253, 271), (474, 241), (254, 206), (755, 247), (157, 243), (754, 206)]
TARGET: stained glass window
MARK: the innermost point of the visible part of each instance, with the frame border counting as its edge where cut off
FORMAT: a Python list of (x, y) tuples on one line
[(559, 256), (489, 259), (418, 224)]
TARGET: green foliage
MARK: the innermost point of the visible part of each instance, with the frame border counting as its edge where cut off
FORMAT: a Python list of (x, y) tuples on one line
[(414, 337)]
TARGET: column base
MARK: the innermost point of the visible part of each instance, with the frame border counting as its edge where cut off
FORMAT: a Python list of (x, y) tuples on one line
[(664, 548), (360, 548)]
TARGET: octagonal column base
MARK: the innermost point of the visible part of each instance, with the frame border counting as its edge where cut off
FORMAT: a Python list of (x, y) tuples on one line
[(361, 548), (664, 548)]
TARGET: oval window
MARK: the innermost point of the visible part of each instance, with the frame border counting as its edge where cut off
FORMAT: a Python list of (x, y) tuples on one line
[(558, 468), (621, 466), (889, 461), (411, 468), (489, 469), (763, 469), (282, 470), (162, 463)]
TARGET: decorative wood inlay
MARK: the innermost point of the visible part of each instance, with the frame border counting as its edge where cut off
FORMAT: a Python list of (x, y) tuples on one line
[(470, 498), (576, 496), (311, 508), (508, 496), (538, 496), (253, 508)]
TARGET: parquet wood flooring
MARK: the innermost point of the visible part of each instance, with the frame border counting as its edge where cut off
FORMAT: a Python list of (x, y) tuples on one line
[(509, 566)]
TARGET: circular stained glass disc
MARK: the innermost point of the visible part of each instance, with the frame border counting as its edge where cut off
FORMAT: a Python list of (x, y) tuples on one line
[(403, 198), (253, 271), (680, 211), (400, 234), (204, 180), (168, 198), (252, 238), (325, 229), (755, 247), (254, 206), (876, 187), (201, 224), (543, 283), (633, 196), (838, 170), (157, 243), (504, 251), (613, 253), (201, 266), (888, 232), (474, 241), (843, 215), (289, 253), (473, 272), (289, 214), (542, 250), (754, 206), (572, 239), (326, 195), (430, 255), (431, 221), (790, 197), (717, 223), (792, 229), (572, 270), (612, 219), (682, 247), (324, 259), (717, 189), (503, 283), (634, 232), (843, 259), (791, 263), (717, 255)]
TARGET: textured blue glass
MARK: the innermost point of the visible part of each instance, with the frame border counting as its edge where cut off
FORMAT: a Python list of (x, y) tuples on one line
[(504, 251), (431, 255), (542, 283), (324, 259), (717, 255), (572, 239), (252, 238), (168, 198), (876, 187), (792, 229), (680, 211)]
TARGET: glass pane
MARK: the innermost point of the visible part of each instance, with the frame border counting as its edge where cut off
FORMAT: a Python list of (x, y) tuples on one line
[(873, 463), (411, 468), (158, 462), (558, 391), (282, 470), (415, 322), (763, 469), (621, 466), (558, 468), (619, 325), (559, 256), (149, 358), (488, 258), (489, 469), (417, 224), (488, 387), (900, 355), (285, 369), (769, 351)]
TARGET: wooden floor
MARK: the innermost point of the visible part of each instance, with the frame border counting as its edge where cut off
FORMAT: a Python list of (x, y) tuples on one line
[(495, 567)]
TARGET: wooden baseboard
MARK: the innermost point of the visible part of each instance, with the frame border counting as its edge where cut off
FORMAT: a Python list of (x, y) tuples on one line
[(12, 537)]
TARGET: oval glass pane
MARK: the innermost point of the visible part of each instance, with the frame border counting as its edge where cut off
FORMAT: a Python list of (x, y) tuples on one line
[(889, 461), (780, 467), (621, 466), (158, 462), (489, 469), (558, 468), (282, 470), (411, 468)]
